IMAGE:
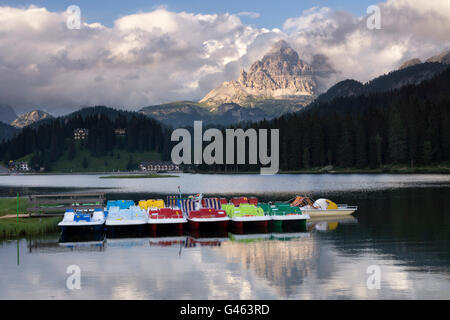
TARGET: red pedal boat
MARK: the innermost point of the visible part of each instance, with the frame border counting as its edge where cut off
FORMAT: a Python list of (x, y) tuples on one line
[(166, 216), (199, 216)]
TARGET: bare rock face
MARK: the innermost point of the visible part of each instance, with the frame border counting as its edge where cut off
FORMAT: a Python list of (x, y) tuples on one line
[(409, 63), (280, 74), (443, 58), (30, 117)]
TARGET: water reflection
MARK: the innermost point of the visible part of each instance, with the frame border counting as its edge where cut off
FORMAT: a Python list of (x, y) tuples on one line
[(405, 232), (326, 224)]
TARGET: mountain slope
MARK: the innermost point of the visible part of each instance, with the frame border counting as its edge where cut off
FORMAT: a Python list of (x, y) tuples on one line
[(7, 131), (414, 74), (184, 113), (52, 145), (443, 57)]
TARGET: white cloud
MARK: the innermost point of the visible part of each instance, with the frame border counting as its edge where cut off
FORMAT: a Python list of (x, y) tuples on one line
[(409, 28), (159, 56), (145, 58), (249, 14)]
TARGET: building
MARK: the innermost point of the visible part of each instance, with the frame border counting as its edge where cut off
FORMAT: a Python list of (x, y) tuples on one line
[(18, 166), (120, 132), (80, 134), (156, 166)]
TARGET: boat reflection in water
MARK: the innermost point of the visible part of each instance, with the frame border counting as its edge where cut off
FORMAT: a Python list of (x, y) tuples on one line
[(68, 242), (329, 223)]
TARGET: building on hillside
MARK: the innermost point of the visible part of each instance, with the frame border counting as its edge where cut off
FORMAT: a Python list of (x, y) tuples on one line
[(120, 132), (157, 166), (80, 134), (18, 166)]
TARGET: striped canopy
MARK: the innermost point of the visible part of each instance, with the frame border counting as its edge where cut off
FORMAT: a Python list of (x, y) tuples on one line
[(213, 203), (186, 205)]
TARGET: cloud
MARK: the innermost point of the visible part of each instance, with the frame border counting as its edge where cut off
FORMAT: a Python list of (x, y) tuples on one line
[(249, 14), (145, 58), (160, 56), (409, 28)]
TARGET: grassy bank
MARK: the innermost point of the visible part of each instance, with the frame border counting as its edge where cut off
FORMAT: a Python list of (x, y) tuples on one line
[(10, 228), (9, 206), (84, 161), (139, 176)]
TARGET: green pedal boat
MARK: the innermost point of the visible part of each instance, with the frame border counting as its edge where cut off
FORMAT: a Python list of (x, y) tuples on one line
[(284, 213), (246, 214)]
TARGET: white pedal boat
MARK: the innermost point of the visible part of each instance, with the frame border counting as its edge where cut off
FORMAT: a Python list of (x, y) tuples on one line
[(132, 216), (323, 207), (78, 221)]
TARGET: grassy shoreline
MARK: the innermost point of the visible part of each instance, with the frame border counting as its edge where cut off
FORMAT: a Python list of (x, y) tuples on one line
[(11, 228), (24, 226)]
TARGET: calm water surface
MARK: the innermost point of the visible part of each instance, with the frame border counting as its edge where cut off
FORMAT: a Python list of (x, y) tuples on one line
[(402, 226)]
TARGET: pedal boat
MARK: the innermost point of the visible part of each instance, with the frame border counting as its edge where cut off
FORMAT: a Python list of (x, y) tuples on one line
[(82, 221), (126, 216), (166, 217), (160, 215), (200, 217), (246, 214), (283, 214), (322, 207)]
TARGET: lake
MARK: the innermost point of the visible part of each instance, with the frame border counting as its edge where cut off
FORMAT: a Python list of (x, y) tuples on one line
[(401, 229)]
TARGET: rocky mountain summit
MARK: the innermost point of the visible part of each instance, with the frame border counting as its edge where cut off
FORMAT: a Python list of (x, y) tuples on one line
[(29, 118), (280, 74)]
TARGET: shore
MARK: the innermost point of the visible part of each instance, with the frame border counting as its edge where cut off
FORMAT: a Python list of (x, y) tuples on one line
[(11, 227)]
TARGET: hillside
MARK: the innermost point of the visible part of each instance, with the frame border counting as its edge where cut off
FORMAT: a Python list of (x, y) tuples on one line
[(403, 128), (406, 75), (51, 145), (7, 131)]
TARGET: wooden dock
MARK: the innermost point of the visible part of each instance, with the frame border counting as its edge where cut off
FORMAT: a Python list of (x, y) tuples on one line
[(56, 204)]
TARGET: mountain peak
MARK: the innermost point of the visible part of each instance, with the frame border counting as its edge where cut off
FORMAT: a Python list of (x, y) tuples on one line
[(280, 74), (30, 117), (281, 46)]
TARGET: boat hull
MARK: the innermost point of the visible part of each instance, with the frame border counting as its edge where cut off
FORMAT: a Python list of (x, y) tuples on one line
[(177, 224), (258, 222), (125, 227), (87, 228), (328, 213), (198, 223)]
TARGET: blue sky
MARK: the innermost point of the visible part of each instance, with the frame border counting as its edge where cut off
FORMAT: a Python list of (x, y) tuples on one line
[(272, 13)]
